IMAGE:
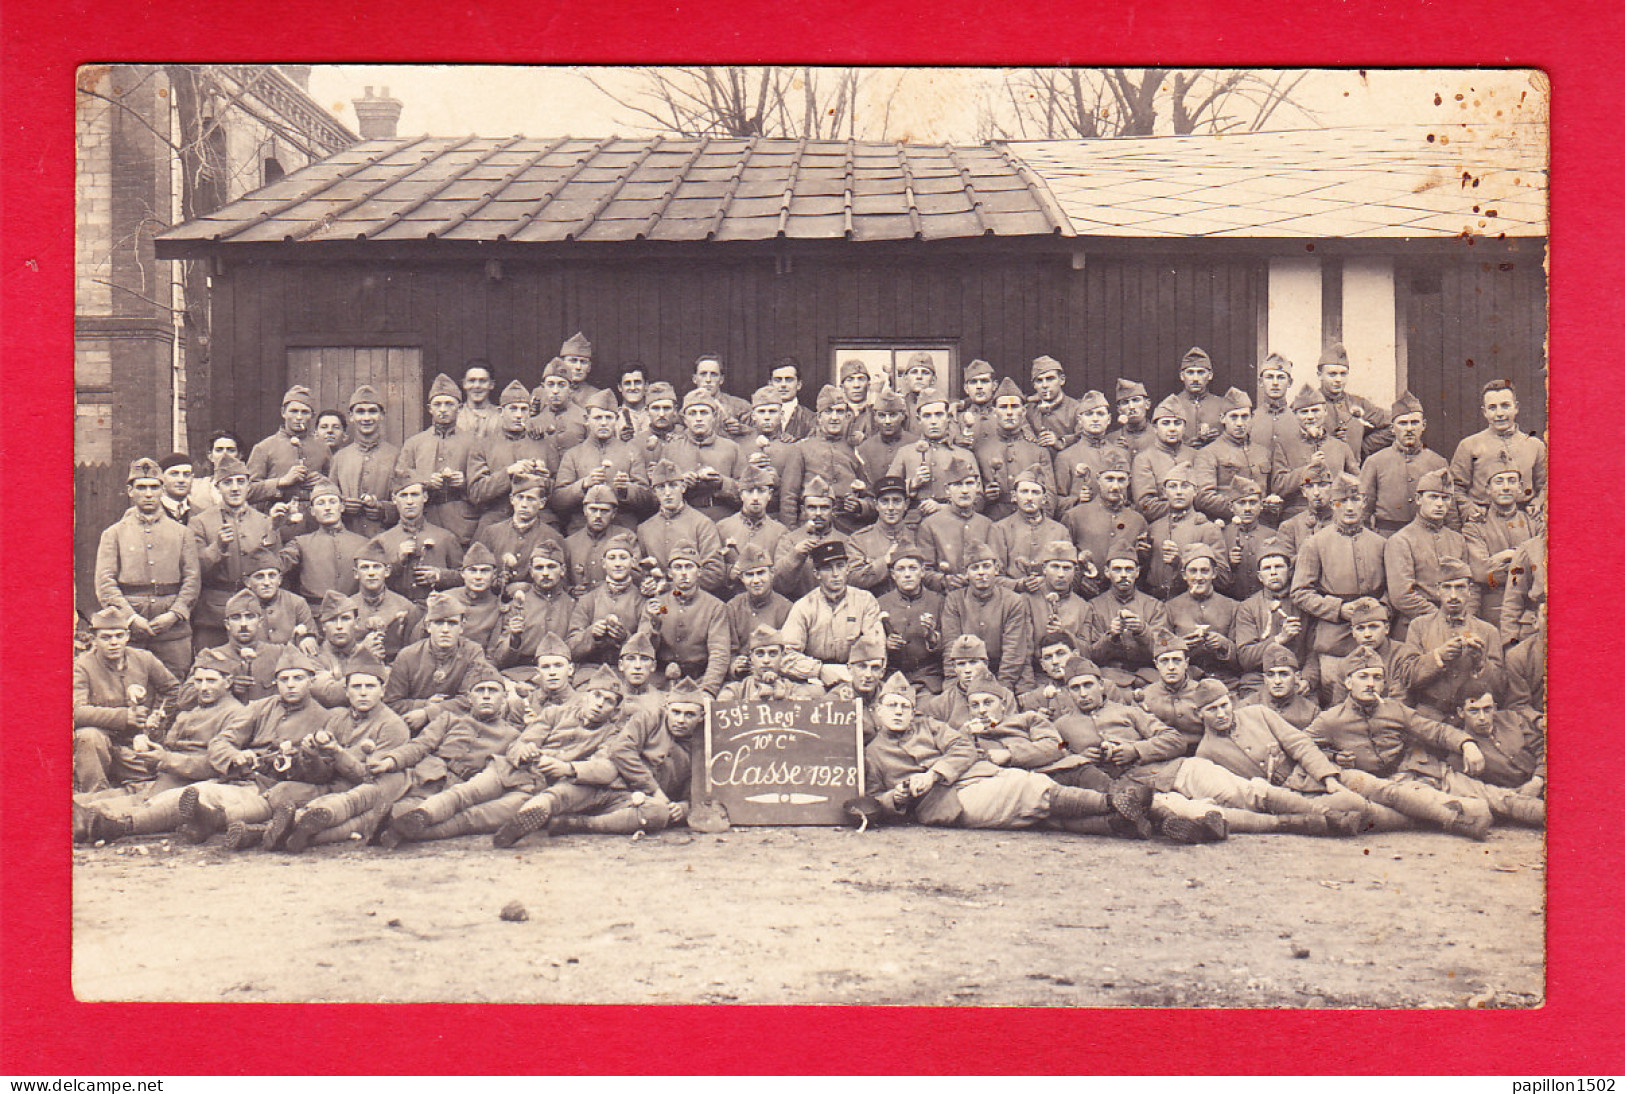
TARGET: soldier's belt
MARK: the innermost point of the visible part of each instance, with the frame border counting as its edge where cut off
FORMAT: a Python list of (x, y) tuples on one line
[(169, 589)]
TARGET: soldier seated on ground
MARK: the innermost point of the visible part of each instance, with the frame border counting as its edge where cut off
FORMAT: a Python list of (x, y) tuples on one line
[(256, 748), (179, 759), (428, 675), (1374, 740), (579, 756), (451, 750), (928, 771), (336, 796), (1264, 773), (117, 691), (766, 679)]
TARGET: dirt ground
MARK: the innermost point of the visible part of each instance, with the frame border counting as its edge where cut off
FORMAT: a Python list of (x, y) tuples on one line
[(805, 915)]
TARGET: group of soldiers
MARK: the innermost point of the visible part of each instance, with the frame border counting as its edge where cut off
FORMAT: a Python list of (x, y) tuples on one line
[(1179, 619)]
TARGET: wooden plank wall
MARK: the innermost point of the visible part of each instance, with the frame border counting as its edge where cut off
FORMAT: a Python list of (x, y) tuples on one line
[(1469, 322), (1119, 317)]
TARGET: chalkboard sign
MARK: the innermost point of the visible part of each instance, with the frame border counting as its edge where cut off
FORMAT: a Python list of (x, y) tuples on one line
[(789, 762)]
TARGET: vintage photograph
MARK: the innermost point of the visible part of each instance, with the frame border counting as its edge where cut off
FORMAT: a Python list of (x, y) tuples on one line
[(793, 535)]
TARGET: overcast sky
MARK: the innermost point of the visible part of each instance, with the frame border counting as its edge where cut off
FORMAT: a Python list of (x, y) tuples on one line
[(934, 104)]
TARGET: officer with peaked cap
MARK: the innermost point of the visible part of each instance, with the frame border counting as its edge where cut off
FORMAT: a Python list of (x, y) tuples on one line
[(880, 542), (1389, 475), (823, 625), (362, 469), (449, 462), (148, 570), (279, 465)]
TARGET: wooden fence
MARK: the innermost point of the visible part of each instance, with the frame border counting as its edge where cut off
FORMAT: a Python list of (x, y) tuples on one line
[(98, 501)]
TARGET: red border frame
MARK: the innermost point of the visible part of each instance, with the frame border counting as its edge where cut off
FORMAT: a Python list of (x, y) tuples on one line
[(45, 1031)]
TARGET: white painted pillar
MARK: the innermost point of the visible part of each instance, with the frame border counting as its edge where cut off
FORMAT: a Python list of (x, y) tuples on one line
[(1294, 315), (1368, 328)]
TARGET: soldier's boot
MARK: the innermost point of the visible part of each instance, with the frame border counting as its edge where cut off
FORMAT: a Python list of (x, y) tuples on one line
[(1473, 818), (1108, 825), (1521, 809), (1280, 800), (1132, 800), (435, 809), (621, 822), (105, 828), (82, 818), (1210, 827), (240, 835), (311, 820), (1457, 816), (1073, 802), (278, 828), (200, 819), (1302, 824), (532, 818), (460, 825)]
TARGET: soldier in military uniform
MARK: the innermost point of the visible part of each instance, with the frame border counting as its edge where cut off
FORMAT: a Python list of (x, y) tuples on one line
[(147, 570)]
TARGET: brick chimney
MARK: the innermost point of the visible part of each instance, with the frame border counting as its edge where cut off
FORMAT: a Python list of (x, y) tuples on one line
[(377, 115)]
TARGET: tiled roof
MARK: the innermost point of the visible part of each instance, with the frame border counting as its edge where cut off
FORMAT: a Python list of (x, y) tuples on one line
[(1319, 183), (522, 190), (1430, 181)]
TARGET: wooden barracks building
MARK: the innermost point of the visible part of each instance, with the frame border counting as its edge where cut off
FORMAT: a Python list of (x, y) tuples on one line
[(1420, 248)]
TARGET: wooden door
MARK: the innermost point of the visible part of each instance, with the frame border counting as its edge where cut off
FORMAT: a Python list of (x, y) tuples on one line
[(333, 372)]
